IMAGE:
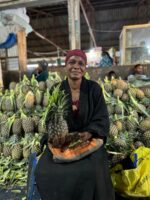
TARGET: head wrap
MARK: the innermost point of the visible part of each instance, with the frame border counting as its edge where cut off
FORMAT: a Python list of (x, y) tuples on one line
[(43, 64), (76, 52)]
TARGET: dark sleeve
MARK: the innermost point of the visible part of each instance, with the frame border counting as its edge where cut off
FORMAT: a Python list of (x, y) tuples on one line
[(99, 123)]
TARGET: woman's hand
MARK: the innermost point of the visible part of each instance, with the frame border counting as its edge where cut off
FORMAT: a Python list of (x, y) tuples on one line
[(58, 141), (84, 136)]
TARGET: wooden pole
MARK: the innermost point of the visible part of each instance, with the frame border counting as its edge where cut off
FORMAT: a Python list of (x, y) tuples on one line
[(1, 76), (22, 50), (74, 24)]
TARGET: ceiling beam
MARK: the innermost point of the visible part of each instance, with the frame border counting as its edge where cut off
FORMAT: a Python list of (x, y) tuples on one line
[(29, 3), (41, 12)]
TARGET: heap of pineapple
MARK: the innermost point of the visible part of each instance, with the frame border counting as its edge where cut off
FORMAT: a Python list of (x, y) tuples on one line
[(129, 111), (25, 105), (22, 119)]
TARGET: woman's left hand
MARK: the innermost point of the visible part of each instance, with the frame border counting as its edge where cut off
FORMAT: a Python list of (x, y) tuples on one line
[(84, 136)]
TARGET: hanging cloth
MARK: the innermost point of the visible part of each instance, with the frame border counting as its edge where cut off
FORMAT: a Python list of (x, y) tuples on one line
[(10, 41)]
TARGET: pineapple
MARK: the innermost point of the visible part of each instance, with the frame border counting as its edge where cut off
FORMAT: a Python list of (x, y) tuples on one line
[(132, 91), (20, 100), (139, 94), (25, 89), (118, 93), (49, 84), (46, 98), (145, 124), (119, 109), (14, 139), (108, 87), (42, 127), (114, 83), (7, 149), (27, 124), (146, 138), (9, 103), (12, 85), (38, 97), (121, 84), (120, 144), (147, 92), (145, 101), (110, 109), (29, 100), (113, 130), (26, 152), (42, 85), (16, 152), (119, 125), (138, 144), (117, 158), (6, 127), (125, 97), (17, 126), (56, 124), (131, 124)]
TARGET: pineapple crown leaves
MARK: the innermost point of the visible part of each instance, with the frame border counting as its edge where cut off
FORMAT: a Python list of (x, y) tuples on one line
[(106, 94), (54, 76), (120, 103), (12, 97), (25, 80), (138, 105), (34, 82), (22, 114), (87, 76), (57, 104), (106, 80)]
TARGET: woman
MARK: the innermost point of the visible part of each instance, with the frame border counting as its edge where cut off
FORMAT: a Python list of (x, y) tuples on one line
[(88, 178), (41, 72), (106, 60)]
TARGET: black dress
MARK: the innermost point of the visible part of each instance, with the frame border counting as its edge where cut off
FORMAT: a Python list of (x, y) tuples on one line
[(88, 178)]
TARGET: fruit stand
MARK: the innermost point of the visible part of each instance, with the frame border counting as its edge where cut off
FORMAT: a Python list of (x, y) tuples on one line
[(22, 115)]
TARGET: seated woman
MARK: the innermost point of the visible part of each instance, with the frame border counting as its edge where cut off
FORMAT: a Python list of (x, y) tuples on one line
[(87, 178), (106, 60), (41, 72)]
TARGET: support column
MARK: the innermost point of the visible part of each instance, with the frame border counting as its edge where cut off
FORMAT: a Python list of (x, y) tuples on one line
[(74, 24), (1, 76), (22, 50)]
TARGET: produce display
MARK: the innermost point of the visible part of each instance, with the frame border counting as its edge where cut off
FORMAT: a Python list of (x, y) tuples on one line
[(23, 109)]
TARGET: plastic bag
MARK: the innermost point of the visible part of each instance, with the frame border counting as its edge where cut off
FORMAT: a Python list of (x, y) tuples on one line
[(134, 182)]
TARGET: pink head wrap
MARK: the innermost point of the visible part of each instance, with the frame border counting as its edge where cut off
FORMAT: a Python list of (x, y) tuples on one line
[(76, 52)]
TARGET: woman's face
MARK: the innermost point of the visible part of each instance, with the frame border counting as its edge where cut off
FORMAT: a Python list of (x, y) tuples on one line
[(75, 67)]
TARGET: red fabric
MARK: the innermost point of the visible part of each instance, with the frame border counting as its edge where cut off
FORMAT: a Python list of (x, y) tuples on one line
[(76, 112), (76, 52)]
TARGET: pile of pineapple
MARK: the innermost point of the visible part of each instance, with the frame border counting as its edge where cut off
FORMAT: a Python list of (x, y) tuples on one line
[(129, 111), (23, 109)]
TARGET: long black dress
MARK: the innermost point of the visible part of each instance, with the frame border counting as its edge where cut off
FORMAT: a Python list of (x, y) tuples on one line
[(88, 178)]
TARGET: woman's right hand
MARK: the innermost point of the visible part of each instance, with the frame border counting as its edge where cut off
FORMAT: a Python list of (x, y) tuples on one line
[(58, 141)]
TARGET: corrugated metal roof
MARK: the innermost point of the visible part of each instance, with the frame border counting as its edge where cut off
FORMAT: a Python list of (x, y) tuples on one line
[(109, 15)]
